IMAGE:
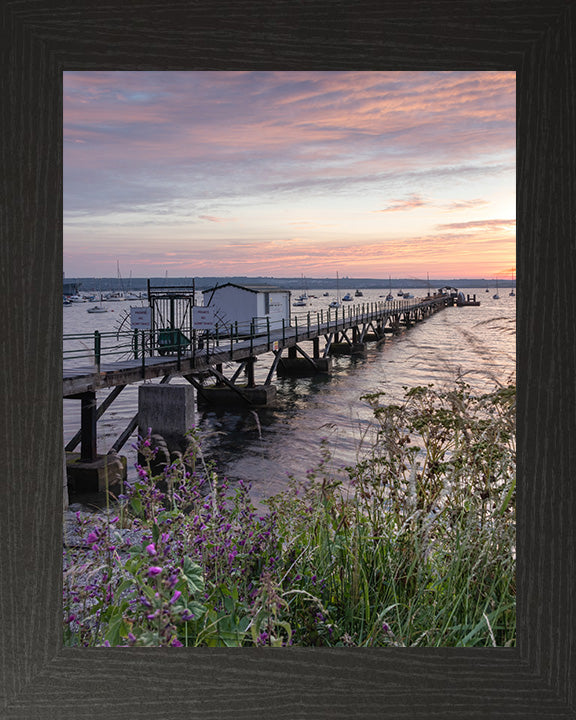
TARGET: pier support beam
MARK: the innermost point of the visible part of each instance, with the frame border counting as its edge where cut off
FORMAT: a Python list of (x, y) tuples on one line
[(88, 416), (250, 372), (316, 347)]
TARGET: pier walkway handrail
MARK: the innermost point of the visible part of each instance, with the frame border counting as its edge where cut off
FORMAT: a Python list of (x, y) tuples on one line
[(133, 355)]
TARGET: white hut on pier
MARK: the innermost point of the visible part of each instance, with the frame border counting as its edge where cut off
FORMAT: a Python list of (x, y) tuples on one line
[(249, 304)]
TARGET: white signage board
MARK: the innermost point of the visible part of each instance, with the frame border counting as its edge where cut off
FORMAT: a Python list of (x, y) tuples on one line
[(204, 318), (141, 318)]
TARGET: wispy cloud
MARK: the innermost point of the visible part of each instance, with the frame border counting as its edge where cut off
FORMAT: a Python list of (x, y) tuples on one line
[(411, 203), (479, 224), (214, 219), (465, 204)]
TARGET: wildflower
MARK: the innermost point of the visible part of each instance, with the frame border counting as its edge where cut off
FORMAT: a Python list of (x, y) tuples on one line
[(175, 597), (151, 549), (154, 570)]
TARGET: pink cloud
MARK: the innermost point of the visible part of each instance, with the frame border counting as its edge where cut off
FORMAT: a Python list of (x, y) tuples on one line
[(214, 219), (412, 203), (480, 224)]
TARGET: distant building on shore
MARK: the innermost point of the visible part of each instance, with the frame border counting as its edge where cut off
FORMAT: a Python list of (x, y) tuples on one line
[(71, 288)]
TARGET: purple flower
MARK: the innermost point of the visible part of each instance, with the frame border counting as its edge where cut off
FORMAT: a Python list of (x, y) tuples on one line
[(92, 538), (154, 570), (175, 597), (151, 549)]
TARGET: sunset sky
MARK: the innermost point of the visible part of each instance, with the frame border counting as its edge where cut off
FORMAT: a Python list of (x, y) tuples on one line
[(368, 174)]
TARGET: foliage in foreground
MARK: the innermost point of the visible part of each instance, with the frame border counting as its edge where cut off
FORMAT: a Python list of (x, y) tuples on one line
[(415, 547)]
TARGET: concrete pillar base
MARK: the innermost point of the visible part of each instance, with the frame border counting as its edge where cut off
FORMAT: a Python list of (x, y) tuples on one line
[(258, 395), (378, 339), (347, 348), (300, 367), (106, 471)]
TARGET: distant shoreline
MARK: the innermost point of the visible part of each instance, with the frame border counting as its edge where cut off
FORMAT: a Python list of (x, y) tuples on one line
[(345, 283)]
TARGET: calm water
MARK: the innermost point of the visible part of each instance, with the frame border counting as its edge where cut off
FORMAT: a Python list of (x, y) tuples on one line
[(264, 446)]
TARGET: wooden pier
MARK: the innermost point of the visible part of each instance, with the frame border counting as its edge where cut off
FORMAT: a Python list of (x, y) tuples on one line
[(205, 355)]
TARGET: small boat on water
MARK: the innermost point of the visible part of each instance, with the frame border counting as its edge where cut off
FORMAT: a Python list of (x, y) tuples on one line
[(115, 297), (389, 297), (77, 299), (347, 298), (326, 294), (400, 293), (358, 293), (407, 295), (98, 308), (496, 296), (299, 303), (336, 303)]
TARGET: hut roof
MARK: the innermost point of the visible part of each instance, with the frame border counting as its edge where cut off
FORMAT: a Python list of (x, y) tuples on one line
[(249, 288)]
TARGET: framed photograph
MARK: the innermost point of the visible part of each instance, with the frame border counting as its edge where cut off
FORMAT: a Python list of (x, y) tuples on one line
[(43, 679)]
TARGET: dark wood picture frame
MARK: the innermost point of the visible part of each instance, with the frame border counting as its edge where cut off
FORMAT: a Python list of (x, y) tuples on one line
[(39, 679)]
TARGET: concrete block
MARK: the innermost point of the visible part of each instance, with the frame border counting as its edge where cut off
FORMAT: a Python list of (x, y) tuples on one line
[(168, 409), (345, 348), (300, 367), (258, 395), (107, 471)]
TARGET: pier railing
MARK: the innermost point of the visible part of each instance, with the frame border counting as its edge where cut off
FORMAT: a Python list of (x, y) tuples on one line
[(116, 346)]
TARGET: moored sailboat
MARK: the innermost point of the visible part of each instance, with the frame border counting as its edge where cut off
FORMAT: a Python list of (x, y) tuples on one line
[(336, 303)]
